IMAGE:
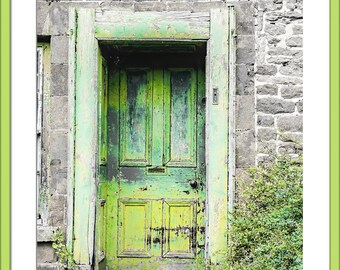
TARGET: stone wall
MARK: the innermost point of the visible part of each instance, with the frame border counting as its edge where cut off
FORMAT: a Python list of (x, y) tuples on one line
[(268, 106)]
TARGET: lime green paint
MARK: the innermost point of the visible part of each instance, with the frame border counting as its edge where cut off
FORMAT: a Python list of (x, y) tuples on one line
[(217, 130), (5, 140), (160, 216), (334, 137), (146, 25), (85, 138)]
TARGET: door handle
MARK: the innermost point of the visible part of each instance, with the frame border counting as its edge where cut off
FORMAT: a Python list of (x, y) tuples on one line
[(193, 183)]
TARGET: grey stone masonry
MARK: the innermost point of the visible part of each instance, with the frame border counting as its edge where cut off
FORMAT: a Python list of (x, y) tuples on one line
[(278, 77)]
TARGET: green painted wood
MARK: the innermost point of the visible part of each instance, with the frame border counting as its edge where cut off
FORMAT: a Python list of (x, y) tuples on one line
[(85, 137), (217, 130), (135, 116), (160, 216), (180, 118), (155, 25), (232, 104), (101, 205)]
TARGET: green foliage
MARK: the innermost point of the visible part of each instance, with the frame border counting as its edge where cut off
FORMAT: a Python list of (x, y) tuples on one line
[(266, 225), (65, 257)]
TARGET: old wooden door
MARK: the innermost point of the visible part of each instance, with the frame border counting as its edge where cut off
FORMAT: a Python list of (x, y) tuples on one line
[(156, 166)]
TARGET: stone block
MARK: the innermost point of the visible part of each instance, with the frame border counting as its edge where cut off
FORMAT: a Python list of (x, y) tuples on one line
[(287, 80), (58, 147), (266, 134), (205, 6), (294, 42), (179, 6), (291, 4), (59, 49), (43, 23), (45, 233), (245, 149), (284, 17), (279, 60), (59, 112), (150, 6), (267, 89), (272, 105), (297, 29), (292, 69), (300, 106), (266, 5), (291, 91), (245, 52), (57, 209), (58, 179), (59, 80), (291, 137), (47, 266), (59, 18), (245, 111), (45, 253), (266, 148), (245, 79), (266, 70), (245, 18), (290, 123), (279, 51), (289, 148), (265, 120), (274, 41), (274, 29)]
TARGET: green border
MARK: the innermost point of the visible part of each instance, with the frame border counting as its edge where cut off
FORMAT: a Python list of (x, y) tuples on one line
[(334, 135), (5, 135)]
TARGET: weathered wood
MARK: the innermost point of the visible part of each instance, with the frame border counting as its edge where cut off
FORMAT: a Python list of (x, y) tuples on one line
[(232, 104), (156, 25), (85, 137), (216, 133), (71, 117)]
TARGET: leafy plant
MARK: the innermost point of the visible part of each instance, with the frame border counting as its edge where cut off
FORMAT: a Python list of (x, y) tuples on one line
[(65, 257), (266, 224)]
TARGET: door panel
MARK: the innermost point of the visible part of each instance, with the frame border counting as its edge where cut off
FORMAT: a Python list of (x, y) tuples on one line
[(180, 122), (156, 168), (134, 228), (135, 117)]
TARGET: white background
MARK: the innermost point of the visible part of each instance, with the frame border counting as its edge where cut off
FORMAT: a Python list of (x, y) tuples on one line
[(316, 135)]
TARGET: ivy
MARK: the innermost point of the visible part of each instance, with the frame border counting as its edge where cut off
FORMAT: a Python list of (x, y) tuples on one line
[(65, 257)]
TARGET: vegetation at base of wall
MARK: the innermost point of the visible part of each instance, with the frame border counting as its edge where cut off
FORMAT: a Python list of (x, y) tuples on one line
[(266, 224), (65, 257)]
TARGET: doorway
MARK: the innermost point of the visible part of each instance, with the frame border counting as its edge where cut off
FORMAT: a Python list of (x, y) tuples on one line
[(156, 186)]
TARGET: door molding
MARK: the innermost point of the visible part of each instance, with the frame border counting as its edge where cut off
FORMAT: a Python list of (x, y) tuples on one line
[(88, 26)]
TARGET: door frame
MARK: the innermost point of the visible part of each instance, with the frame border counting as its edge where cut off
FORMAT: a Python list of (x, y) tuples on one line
[(90, 26)]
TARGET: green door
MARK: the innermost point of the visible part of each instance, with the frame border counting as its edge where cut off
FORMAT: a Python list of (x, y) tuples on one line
[(155, 212)]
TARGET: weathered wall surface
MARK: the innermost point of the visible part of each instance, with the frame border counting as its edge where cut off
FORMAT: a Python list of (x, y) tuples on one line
[(269, 104)]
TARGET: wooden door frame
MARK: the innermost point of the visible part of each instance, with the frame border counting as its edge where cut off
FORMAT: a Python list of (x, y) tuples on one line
[(89, 26)]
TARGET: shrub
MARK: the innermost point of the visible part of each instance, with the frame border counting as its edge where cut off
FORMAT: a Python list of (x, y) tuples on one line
[(266, 225)]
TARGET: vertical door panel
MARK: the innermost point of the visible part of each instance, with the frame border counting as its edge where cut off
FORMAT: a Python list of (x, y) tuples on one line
[(134, 228), (179, 223), (135, 117), (180, 115)]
